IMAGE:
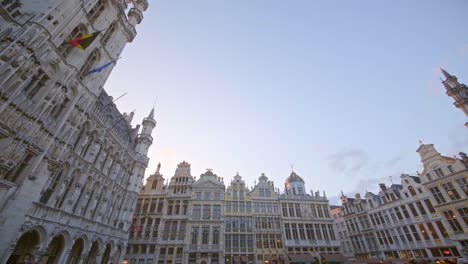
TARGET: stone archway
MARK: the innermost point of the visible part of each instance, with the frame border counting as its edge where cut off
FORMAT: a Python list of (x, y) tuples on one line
[(76, 252), (54, 251), (93, 252), (25, 247), (106, 255)]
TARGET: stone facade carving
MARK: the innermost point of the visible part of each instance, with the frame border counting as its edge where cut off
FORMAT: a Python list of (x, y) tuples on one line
[(48, 115)]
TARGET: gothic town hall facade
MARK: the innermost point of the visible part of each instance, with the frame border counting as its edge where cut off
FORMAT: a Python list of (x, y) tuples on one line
[(71, 164)]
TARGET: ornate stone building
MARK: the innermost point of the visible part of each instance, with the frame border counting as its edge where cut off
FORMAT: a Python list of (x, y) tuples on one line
[(233, 225), (456, 90), (425, 217), (71, 164)]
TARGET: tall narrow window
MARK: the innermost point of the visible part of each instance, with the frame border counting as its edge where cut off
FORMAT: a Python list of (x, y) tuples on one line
[(215, 236), (194, 235), (451, 191), (205, 235), (450, 168), (96, 11), (89, 63), (452, 219), (109, 32), (464, 214), (206, 211), (437, 195), (78, 31), (429, 206), (463, 185)]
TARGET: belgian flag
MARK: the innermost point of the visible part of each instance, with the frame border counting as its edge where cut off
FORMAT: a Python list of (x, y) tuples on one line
[(84, 41)]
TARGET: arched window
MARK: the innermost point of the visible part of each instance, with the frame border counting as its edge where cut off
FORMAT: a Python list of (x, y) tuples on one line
[(78, 31), (96, 11), (89, 63), (110, 31)]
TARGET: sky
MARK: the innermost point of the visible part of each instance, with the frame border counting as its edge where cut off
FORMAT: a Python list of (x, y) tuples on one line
[(342, 91)]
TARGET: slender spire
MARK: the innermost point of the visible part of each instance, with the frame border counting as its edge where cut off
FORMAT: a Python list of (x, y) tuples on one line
[(445, 73), (151, 114)]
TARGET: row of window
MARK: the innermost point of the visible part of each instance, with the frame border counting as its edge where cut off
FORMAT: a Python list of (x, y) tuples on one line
[(207, 214), (238, 242), (295, 231), (450, 190), (268, 241), (174, 230), (207, 195), (201, 235), (316, 210), (453, 221)]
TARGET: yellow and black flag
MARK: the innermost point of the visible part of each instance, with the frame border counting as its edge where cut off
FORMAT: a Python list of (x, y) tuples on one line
[(84, 41)]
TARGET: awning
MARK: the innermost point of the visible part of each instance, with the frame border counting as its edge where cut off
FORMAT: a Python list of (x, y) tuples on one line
[(301, 258), (334, 257)]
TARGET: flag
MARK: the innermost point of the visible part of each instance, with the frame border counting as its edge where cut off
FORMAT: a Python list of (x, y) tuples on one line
[(137, 222), (100, 68), (84, 41)]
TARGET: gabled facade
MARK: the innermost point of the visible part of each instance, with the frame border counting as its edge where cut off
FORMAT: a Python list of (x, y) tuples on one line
[(422, 218), (229, 224)]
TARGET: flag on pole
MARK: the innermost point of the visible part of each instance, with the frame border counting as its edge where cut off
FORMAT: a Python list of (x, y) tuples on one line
[(138, 222), (100, 68), (84, 41)]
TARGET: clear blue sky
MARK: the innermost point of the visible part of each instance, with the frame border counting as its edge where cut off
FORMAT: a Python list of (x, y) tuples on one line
[(344, 90)]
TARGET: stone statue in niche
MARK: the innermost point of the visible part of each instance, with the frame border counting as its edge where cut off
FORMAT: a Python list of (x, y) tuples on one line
[(76, 193), (83, 144), (62, 189), (93, 151), (116, 171), (85, 201)]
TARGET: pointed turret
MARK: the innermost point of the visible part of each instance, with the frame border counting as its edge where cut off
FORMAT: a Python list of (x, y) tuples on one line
[(145, 139), (459, 92)]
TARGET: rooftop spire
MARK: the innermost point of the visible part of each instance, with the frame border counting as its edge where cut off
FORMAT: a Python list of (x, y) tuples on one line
[(445, 73), (151, 114)]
